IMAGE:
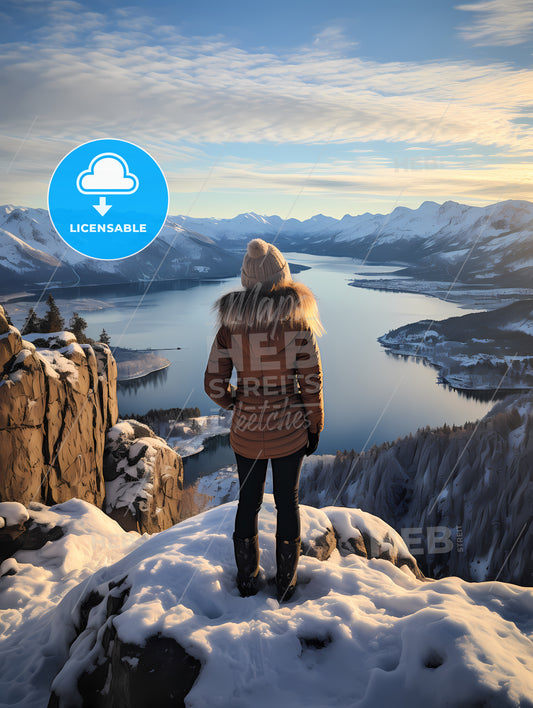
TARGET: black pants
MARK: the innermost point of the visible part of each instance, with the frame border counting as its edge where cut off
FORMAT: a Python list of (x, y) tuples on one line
[(286, 478)]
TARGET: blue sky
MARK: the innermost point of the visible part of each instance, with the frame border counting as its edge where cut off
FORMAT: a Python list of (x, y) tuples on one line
[(290, 108)]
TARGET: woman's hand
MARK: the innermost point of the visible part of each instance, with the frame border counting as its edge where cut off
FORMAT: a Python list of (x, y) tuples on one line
[(312, 443)]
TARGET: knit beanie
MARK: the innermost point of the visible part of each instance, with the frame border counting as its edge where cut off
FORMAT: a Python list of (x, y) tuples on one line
[(263, 263)]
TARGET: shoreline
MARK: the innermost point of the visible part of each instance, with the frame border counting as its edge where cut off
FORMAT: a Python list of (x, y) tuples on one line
[(188, 281), (467, 296)]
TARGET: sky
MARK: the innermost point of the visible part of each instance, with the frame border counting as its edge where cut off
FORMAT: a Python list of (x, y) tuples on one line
[(288, 108)]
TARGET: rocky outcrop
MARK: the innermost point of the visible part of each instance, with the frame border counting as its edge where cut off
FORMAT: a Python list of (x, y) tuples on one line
[(163, 624), (363, 534), (112, 661), (22, 530), (159, 673), (56, 403), (143, 478), (58, 439)]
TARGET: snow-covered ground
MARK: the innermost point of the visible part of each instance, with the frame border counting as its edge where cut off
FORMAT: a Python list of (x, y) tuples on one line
[(220, 487), (466, 358), (358, 632)]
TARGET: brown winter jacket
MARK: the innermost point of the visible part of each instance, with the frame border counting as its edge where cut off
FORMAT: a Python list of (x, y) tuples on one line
[(267, 337)]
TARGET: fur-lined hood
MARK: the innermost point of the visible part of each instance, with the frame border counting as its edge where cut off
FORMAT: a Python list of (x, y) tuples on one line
[(256, 308)]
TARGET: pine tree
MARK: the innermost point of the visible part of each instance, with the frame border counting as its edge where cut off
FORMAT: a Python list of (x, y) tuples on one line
[(77, 326), (32, 323), (105, 338), (52, 321)]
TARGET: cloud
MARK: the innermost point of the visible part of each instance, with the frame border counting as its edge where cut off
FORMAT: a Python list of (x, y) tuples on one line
[(203, 90), (333, 39), (463, 181), (499, 23), (107, 174), (179, 96)]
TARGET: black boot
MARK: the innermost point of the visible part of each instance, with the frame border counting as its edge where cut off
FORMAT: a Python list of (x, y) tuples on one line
[(287, 555), (247, 560)]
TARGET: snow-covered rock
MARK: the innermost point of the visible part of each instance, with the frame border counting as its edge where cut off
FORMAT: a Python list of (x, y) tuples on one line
[(13, 513), (108, 616), (143, 478)]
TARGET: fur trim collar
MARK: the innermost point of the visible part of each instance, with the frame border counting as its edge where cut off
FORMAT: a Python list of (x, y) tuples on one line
[(290, 304)]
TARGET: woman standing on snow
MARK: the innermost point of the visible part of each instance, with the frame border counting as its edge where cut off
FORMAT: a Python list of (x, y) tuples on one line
[(267, 332)]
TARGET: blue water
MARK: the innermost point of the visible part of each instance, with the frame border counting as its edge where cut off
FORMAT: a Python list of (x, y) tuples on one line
[(370, 396)]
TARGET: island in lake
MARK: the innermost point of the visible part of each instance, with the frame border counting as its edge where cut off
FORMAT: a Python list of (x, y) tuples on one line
[(135, 364)]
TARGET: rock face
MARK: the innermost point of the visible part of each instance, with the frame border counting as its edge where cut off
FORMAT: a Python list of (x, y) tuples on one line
[(55, 406), (143, 478), (58, 439)]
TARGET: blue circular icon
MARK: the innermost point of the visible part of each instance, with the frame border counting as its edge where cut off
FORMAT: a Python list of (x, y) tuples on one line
[(108, 199)]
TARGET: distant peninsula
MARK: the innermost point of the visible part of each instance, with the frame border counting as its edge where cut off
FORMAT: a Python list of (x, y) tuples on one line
[(135, 364)]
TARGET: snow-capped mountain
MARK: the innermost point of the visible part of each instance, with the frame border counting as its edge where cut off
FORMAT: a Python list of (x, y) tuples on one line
[(32, 253), (482, 244), (430, 221), (479, 245)]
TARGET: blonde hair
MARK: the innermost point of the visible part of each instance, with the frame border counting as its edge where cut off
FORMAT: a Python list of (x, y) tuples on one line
[(261, 307)]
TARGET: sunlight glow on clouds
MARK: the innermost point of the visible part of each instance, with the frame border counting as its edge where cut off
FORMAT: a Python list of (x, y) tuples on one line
[(499, 22), (87, 75)]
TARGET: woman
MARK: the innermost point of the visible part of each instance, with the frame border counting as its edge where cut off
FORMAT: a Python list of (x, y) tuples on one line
[(267, 333)]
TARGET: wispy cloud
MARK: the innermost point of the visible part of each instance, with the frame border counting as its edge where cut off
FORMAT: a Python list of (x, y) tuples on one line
[(333, 40), (205, 90), (122, 75), (413, 179), (503, 23)]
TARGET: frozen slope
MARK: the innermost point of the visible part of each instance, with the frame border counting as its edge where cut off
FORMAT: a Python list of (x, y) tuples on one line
[(357, 632)]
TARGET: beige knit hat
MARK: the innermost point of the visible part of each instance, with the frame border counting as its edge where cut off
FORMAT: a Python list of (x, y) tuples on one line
[(263, 263)]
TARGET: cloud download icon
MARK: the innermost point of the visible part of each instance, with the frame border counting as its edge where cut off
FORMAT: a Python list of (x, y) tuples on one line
[(107, 174), (126, 174)]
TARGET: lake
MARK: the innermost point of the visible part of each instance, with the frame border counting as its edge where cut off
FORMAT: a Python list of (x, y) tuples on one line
[(370, 396)]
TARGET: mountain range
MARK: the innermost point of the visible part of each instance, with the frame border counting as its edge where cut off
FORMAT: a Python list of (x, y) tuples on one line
[(489, 245), (436, 241), (32, 254)]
